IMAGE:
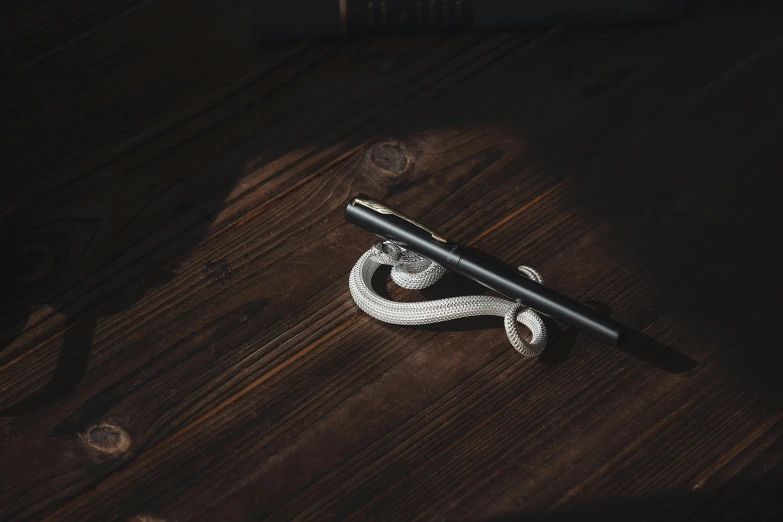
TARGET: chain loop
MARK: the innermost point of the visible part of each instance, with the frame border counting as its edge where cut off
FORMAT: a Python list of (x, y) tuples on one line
[(414, 272)]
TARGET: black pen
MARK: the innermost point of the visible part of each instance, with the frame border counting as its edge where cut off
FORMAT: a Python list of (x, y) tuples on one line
[(381, 220)]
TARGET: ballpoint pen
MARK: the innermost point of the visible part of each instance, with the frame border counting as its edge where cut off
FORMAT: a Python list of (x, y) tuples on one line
[(392, 225)]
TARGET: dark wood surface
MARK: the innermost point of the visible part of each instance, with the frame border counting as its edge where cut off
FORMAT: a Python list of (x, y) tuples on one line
[(177, 337)]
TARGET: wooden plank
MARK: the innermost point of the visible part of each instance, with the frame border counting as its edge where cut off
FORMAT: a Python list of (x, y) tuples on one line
[(247, 369)]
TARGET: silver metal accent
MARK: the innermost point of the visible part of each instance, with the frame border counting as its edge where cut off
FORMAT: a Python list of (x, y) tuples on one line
[(409, 270), (384, 209)]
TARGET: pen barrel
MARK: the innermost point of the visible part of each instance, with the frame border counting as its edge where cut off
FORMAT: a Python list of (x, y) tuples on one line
[(489, 272), (505, 280)]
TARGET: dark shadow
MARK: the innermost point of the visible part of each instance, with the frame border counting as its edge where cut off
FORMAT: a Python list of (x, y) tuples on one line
[(562, 339), (739, 499), (654, 353), (51, 262), (380, 281), (598, 95), (637, 345), (467, 324), (72, 360), (693, 6)]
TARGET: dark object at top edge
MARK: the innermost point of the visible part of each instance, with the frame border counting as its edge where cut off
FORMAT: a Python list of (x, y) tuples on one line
[(283, 19)]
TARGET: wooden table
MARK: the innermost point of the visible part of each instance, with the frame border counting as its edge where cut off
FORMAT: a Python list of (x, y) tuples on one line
[(178, 341)]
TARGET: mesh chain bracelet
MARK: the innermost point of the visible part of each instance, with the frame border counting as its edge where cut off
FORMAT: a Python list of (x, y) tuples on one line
[(411, 271)]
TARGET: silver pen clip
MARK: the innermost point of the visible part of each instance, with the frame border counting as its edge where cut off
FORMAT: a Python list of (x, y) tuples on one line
[(383, 209)]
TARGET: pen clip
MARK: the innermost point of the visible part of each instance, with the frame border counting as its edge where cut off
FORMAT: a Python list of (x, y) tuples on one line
[(383, 209)]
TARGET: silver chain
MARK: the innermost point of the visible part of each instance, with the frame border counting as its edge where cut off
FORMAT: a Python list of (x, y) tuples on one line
[(414, 272)]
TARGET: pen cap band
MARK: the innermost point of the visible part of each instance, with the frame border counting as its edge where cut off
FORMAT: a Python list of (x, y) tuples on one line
[(382, 208), (403, 231)]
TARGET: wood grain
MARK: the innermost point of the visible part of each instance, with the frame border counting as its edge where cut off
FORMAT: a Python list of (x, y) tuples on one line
[(178, 338)]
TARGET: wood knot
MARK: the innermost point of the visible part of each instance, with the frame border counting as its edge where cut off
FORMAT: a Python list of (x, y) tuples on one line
[(146, 518), (29, 264), (107, 439), (391, 156), (33, 259)]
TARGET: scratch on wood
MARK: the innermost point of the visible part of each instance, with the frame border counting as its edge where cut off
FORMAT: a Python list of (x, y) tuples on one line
[(219, 270)]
